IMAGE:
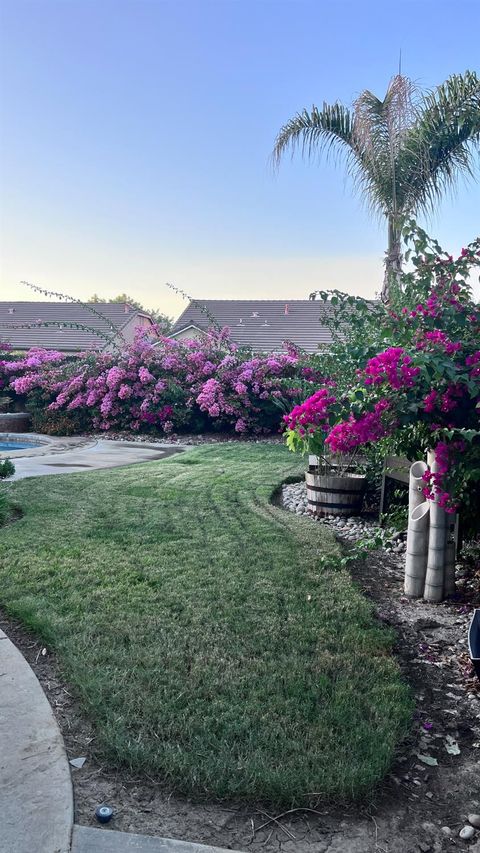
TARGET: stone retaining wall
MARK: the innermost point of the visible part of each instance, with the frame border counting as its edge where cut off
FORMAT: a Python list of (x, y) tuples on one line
[(15, 422)]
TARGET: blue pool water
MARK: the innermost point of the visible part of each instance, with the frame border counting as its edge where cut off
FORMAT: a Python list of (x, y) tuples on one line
[(16, 445)]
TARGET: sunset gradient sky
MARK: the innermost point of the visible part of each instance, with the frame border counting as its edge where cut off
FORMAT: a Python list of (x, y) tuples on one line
[(136, 137)]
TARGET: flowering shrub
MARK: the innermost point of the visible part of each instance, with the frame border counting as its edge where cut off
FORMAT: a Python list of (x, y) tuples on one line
[(421, 389), (347, 435), (314, 412), (393, 366), (22, 374), (166, 385)]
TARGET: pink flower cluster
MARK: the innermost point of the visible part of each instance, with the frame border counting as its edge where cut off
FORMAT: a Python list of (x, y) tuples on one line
[(23, 374), (437, 338), (473, 361), (435, 488), (344, 437), (393, 367), (312, 414), (444, 402), (35, 358)]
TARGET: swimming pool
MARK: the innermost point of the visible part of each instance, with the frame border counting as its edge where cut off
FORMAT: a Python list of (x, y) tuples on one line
[(16, 445)]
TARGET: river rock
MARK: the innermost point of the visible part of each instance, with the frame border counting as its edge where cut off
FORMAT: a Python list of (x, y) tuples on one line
[(466, 833), (474, 819)]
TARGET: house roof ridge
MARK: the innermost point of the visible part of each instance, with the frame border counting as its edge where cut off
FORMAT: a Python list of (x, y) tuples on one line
[(250, 299)]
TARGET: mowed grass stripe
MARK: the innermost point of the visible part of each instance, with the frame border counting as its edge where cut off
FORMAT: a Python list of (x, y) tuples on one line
[(194, 622)]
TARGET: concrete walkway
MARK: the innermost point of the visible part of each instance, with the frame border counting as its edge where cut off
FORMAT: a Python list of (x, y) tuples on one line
[(92, 456), (88, 840), (36, 801)]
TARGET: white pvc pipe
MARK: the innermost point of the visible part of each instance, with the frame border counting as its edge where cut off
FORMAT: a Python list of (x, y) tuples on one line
[(417, 550), (416, 486), (437, 545)]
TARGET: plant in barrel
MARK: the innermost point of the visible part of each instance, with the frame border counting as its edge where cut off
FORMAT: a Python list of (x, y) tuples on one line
[(335, 483)]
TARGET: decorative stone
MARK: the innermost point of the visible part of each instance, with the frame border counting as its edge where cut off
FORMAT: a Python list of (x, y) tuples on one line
[(474, 819), (466, 833)]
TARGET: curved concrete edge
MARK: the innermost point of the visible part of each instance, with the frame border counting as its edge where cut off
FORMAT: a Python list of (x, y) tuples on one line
[(92, 457), (44, 444), (36, 799)]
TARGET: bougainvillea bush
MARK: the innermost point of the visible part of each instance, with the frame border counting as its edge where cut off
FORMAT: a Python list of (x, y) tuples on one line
[(407, 376), (166, 385)]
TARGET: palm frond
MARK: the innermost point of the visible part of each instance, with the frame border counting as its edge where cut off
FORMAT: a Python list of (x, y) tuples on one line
[(380, 128), (315, 131), (443, 142), (329, 130)]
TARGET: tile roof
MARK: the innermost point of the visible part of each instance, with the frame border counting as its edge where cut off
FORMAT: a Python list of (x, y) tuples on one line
[(262, 324), (66, 339)]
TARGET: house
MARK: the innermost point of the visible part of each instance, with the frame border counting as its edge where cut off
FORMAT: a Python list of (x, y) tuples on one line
[(262, 325), (65, 325)]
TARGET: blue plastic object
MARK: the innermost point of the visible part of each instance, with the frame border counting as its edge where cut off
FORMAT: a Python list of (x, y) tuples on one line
[(474, 641), (103, 813)]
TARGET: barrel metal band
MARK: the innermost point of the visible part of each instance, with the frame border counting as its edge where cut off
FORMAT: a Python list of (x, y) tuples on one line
[(335, 491), (335, 506)]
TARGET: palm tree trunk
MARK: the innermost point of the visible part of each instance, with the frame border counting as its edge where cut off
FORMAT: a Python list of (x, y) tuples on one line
[(393, 260)]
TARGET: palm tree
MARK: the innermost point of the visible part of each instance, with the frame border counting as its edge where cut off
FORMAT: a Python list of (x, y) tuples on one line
[(403, 152)]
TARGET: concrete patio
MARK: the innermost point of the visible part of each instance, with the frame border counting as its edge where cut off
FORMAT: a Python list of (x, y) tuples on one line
[(71, 455)]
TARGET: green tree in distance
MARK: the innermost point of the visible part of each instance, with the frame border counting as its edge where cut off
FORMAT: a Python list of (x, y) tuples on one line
[(403, 152), (165, 323)]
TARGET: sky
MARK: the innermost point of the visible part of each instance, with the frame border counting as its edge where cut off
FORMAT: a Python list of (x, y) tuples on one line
[(136, 138)]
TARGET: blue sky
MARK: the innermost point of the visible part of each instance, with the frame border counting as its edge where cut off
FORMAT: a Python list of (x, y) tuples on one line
[(136, 140)]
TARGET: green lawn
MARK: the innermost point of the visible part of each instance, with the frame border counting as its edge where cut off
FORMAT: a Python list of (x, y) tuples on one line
[(194, 623)]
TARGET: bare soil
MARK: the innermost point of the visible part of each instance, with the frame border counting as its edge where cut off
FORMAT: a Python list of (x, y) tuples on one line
[(411, 810)]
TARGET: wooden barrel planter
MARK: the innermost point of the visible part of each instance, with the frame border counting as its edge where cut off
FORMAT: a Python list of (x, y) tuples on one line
[(331, 495)]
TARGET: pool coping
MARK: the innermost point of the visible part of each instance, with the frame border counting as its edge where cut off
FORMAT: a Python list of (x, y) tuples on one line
[(49, 445), (46, 444)]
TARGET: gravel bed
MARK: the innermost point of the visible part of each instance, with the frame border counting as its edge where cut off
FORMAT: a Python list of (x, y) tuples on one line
[(187, 439), (351, 529)]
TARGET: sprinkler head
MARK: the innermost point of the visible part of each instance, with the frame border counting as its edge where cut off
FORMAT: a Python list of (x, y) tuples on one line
[(103, 814)]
